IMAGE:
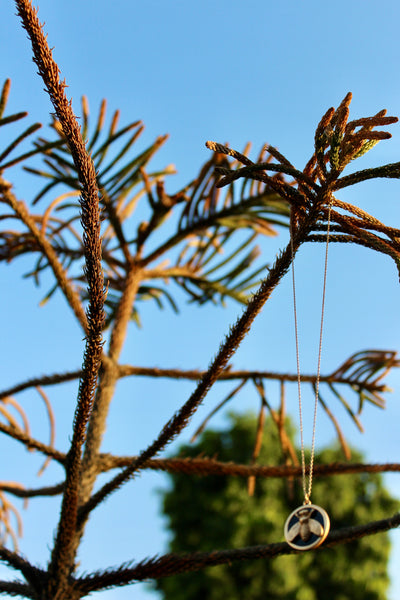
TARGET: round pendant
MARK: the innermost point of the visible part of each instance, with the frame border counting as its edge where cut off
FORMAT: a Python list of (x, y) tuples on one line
[(307, 527)]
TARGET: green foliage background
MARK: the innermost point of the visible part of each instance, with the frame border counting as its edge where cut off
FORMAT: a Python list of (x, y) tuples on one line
[(215, 512)]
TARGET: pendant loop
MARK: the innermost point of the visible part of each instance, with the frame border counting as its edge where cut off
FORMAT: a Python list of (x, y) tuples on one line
[(307, 527)]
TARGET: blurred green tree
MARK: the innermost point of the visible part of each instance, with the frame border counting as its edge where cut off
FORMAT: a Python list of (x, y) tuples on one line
[(214, 512)]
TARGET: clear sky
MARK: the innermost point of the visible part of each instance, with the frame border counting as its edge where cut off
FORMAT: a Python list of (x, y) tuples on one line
[(234, 72)]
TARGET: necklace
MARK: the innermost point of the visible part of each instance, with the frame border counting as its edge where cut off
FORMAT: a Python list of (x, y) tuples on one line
[(308, 525)]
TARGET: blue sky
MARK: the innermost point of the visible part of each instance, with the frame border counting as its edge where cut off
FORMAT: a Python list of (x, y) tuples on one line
[(232, 72)]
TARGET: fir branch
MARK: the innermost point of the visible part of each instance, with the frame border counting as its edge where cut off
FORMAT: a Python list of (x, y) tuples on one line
[(230, 374), (365, 219), (172, 564), (187, 374), (390, 171), (345, 238), (63, 552), (32, 574), (250, 171), (368, 239), (17, 588), (203, 466)]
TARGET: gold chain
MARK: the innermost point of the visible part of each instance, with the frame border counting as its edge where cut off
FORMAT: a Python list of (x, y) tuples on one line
[(307, 489)]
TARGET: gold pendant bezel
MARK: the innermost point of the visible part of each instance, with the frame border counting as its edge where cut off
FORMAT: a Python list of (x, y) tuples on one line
[(299, 519)]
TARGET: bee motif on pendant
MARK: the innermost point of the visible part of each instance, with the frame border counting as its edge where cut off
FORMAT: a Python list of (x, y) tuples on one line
[(307, 527)]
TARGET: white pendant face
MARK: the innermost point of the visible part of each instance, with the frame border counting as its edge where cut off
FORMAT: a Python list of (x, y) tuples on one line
[(307, 527)]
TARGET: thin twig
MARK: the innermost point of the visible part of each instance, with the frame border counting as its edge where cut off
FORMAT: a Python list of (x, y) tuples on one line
[(44, 380), (21, 492), (31, 443)]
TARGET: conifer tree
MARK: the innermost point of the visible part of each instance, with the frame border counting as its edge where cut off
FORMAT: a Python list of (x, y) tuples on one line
[(83, 232)]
